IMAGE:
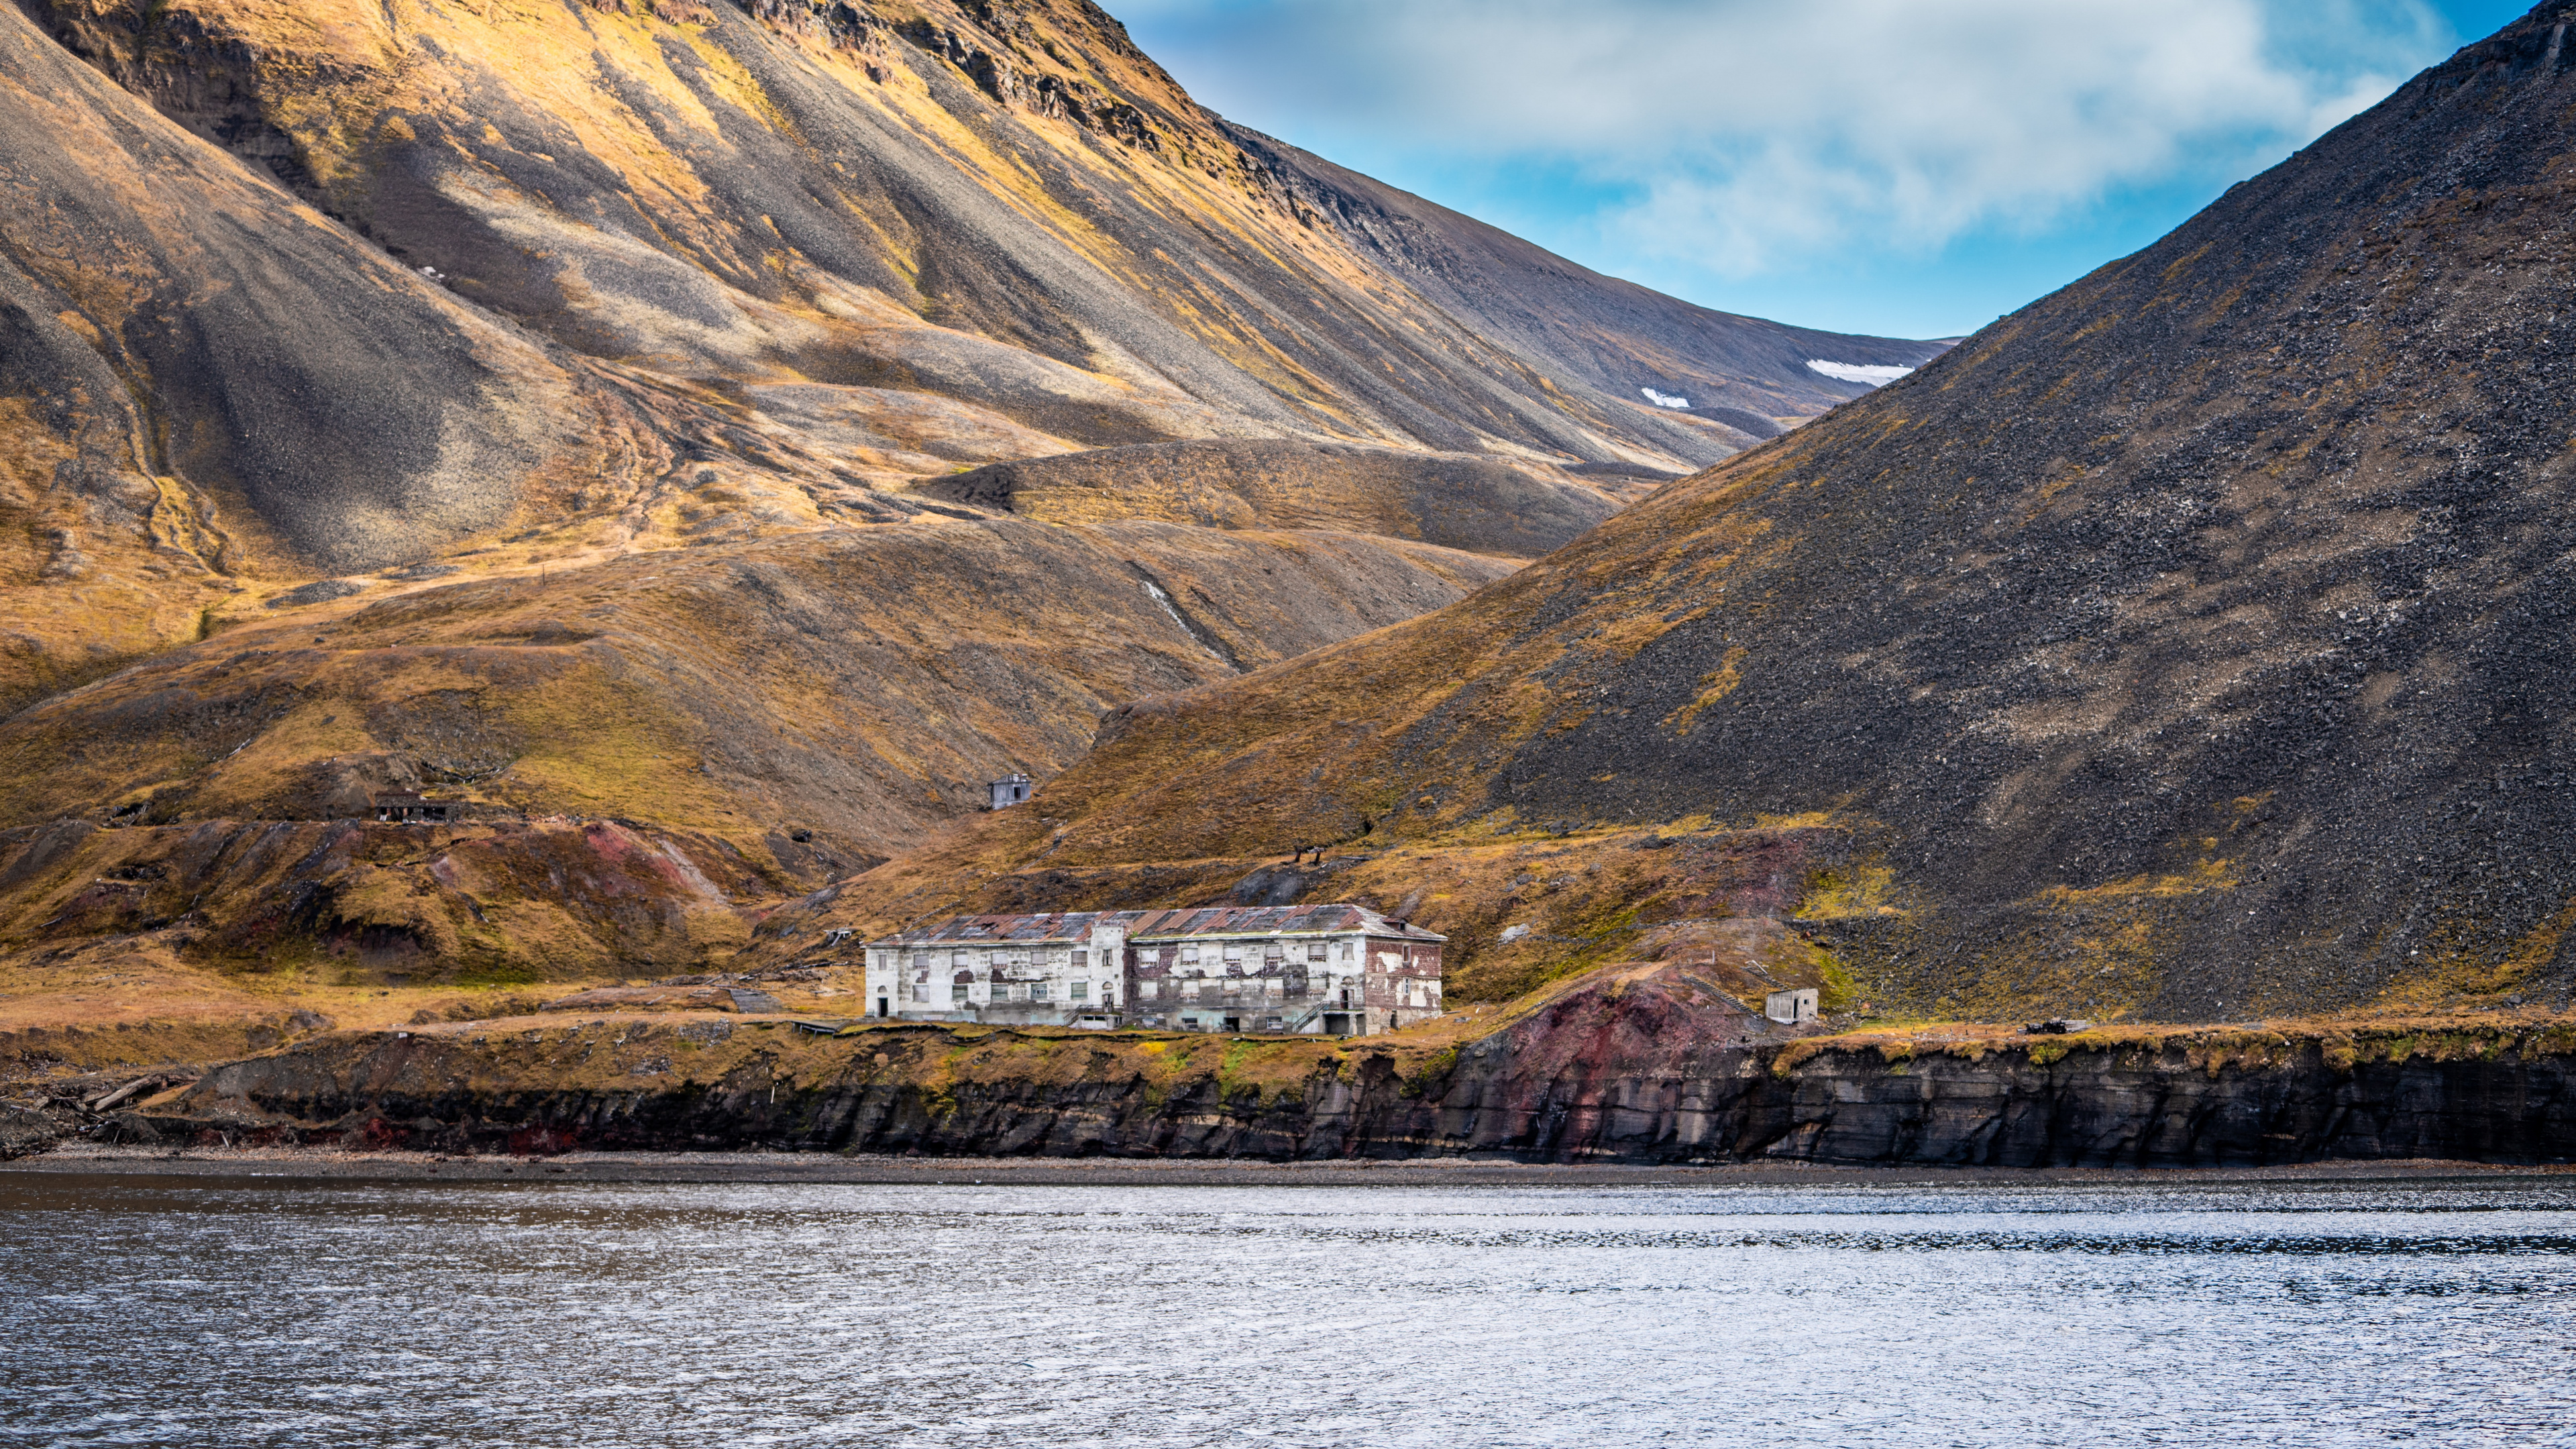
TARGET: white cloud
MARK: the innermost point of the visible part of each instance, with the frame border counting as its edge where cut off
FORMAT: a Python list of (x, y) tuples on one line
[(1665, 399), (1747, 134)]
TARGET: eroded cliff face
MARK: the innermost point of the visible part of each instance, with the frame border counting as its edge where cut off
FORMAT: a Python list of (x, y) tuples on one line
[(1658, 1071)]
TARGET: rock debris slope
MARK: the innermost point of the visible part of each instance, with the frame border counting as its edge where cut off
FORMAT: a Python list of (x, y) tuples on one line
[(2189, 643)]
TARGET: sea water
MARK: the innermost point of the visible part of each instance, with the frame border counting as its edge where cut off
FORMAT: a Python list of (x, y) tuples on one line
[(241, 1311)]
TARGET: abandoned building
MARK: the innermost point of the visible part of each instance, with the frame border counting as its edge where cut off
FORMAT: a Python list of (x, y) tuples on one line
[(412, 807), (1334, 970), (1010, 792), (1792, 1006)]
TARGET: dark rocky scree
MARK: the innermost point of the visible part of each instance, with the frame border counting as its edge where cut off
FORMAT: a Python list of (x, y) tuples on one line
[(395, 424), (2249, 547), (1655, 1072), (2238, 566)]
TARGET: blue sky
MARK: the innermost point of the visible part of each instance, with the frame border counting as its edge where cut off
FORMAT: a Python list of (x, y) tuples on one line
[(1910, 168)]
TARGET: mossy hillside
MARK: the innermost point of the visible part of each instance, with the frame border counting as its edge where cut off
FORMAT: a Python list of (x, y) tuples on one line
[(2212, 1050), (1499, 506), (494, 904), (853, 687), (1522, 907), (1842, 918)]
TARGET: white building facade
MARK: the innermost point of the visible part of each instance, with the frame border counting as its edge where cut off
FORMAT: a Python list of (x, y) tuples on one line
[(1337, 970)]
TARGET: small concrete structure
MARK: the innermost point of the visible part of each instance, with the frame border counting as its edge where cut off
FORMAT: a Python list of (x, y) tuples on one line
[(412, 807), (1791, 1007), (1010, 792), (1329, 970)]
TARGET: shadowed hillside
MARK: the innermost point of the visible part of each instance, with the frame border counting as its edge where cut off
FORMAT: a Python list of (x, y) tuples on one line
[(2186, 644)]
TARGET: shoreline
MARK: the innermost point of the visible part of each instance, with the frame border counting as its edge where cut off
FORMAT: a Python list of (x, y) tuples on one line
[(675, 1168)]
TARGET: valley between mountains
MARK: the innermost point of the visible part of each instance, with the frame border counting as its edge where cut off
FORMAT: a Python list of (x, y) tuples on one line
[(710, 441)]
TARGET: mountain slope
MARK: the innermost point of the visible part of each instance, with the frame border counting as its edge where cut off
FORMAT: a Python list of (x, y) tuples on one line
[(2187, 643), (1008, 208), (319, 301)]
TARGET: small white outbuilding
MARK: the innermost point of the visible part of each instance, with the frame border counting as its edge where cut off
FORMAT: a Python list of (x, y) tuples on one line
[(1791, 1007)]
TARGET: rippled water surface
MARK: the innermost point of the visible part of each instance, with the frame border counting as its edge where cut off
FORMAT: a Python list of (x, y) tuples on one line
[(244, 1312)]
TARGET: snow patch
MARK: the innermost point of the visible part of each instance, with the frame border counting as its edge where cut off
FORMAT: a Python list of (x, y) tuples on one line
[(1870, 374), (1668, 400), (1173, 609)]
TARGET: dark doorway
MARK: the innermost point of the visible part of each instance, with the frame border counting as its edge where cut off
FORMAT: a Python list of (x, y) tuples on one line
[(1337, 1023), (1234, 1023)]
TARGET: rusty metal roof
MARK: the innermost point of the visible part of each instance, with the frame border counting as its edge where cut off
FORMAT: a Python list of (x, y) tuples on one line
[(1040, 927), (1075, 926), (1272, 921)]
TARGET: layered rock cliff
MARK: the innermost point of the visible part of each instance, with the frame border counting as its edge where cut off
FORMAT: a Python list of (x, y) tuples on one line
[(1649, 1069)]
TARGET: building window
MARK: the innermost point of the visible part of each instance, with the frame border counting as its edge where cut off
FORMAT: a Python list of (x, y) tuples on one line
[(1081, 960), (1273, 1023), (1038, 991), (957, 993), (1081, 991), (921, 994), (1189, 955), (1318, 951), (1150, 990), (1234, 956)]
